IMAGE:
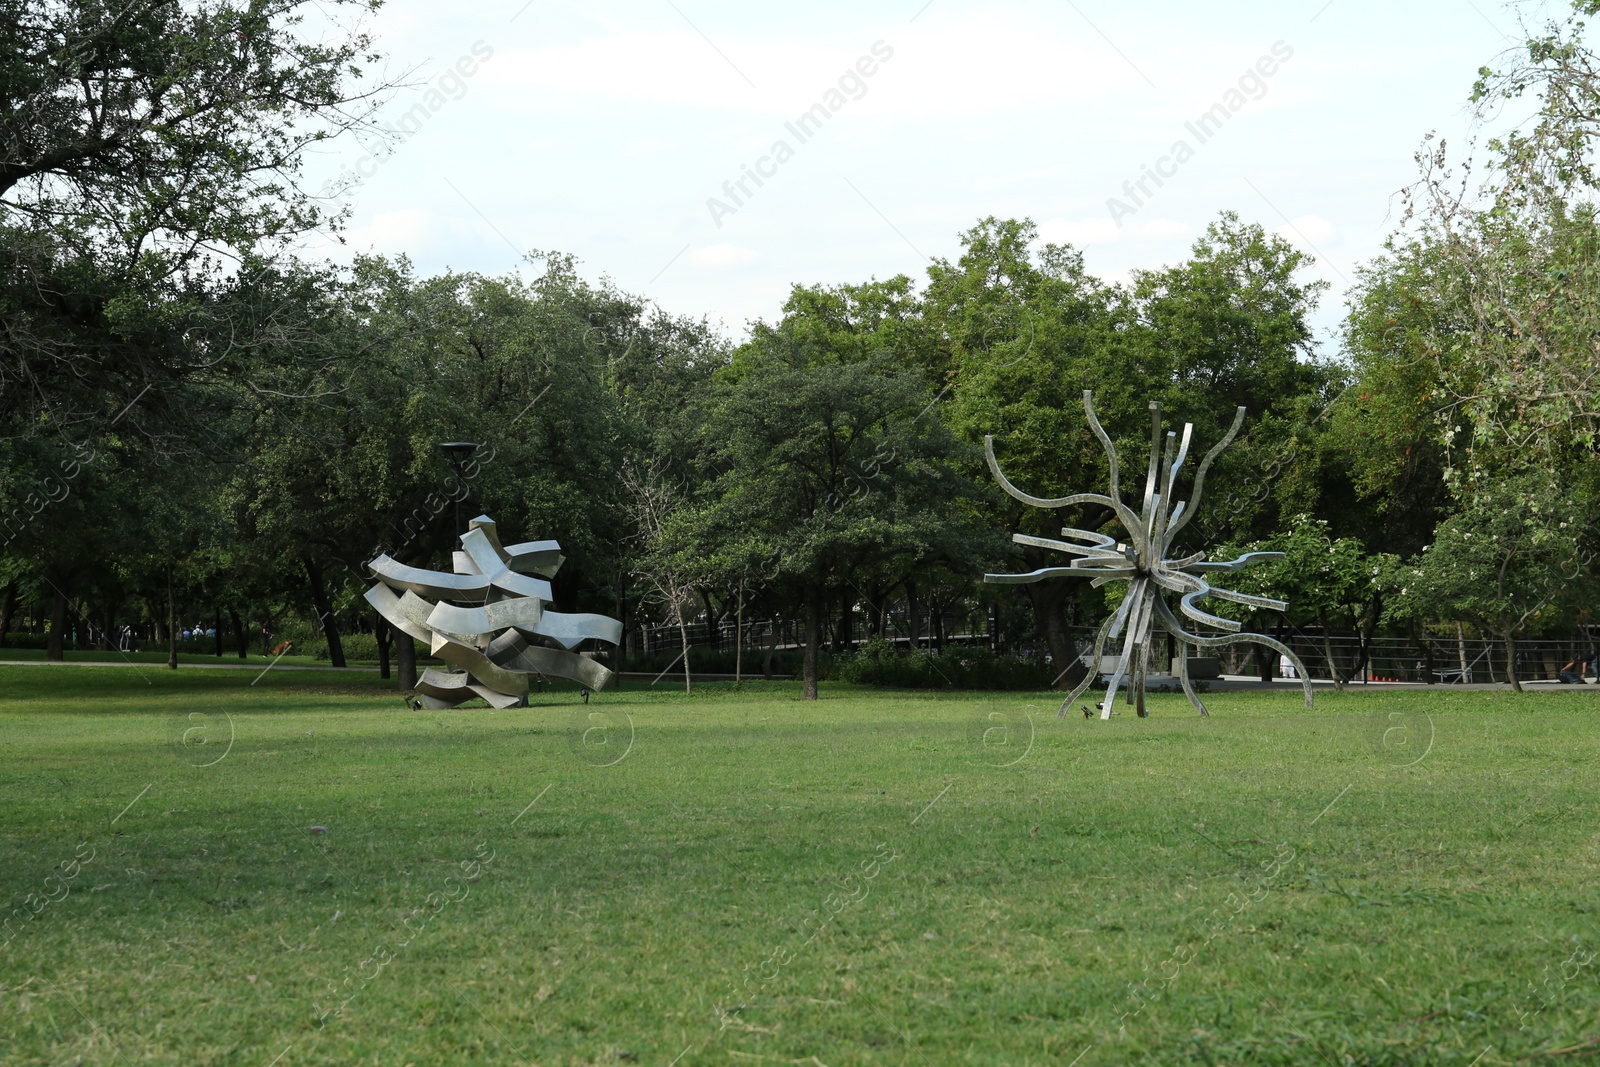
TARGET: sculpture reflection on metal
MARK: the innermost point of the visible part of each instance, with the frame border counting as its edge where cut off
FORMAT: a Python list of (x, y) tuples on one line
[(1145, 565), (487, 619)]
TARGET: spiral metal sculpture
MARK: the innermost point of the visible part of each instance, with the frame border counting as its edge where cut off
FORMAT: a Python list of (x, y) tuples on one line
[(1145, 563)]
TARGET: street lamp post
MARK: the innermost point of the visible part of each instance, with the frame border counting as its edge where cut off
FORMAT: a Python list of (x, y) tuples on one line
[(458, 452)]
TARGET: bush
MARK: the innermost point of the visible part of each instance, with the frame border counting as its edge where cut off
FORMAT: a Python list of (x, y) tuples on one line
[(785, 661), (356, 647), (24, 640), (954, 667)]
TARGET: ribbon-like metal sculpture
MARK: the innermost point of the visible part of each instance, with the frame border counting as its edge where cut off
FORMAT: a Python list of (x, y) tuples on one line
[(486, 619), (1144, 564)]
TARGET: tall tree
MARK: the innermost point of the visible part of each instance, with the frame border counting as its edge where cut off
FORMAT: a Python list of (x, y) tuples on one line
[(142, 145), (832, 458)]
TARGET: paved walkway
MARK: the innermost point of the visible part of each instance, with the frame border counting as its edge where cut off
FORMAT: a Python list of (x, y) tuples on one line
[(1243, 682)]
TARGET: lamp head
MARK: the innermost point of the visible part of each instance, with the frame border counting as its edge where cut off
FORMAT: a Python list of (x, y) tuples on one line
[(458, 452)]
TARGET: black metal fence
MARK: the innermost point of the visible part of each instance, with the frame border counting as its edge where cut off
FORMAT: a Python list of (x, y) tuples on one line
[(1451, 659), (1444, 659), (956, 627)]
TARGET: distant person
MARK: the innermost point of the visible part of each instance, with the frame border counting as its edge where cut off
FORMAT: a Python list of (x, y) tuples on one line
[(1585, 664), (1286, 667)]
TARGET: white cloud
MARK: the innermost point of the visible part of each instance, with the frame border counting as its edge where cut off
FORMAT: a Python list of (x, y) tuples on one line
[(1313, 228), (1161, 229), (1101, 230), (646, 146), (663, 65), (1080, 232), (401, 229), (723, 255)]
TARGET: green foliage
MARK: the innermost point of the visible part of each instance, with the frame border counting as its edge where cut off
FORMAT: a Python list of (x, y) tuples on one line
[(1325, 579), (1332, 583), (186, 120), (358, 646), (1508, 562), (1485, 311)]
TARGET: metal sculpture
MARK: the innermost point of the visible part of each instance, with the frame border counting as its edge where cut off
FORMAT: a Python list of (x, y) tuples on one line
[(487, 619), (1145, 565)]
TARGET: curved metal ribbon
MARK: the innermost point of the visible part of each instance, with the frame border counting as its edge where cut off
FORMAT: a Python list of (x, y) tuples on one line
[(1037, 501), (493, 589)]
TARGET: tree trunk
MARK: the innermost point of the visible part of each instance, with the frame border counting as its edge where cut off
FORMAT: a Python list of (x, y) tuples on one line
[(1425, 647), (319, 600), (738, 640), (1264, 661), (772, 646), (405, 661), (1048, 599), (683, 637), (813, 638), (382, 634), (6, 611), (845, 636), (622, 616), (54, 648), (914, 613), (1461, 652), (713, 620), (1511, 661), (1364, 630), (241, 636), (172, 624), (874, 610), (1327, 650), (216, 628)]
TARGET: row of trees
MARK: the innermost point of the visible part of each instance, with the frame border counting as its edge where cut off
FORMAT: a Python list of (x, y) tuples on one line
[(183, 439)]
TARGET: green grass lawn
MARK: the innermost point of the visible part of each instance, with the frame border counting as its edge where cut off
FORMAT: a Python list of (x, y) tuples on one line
[(741, 878)]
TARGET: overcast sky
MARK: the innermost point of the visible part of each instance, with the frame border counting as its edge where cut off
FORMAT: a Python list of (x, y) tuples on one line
[(603, 129)]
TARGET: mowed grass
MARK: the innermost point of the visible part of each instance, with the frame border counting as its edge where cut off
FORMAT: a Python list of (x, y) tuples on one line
[(876, 878)]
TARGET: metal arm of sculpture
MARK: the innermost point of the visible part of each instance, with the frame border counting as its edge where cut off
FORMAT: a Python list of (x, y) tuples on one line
[(1145, 566)]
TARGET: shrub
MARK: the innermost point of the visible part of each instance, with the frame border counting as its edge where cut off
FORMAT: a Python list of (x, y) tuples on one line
[(702, 660), (25, 640), (356, 647), (953, 667)]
